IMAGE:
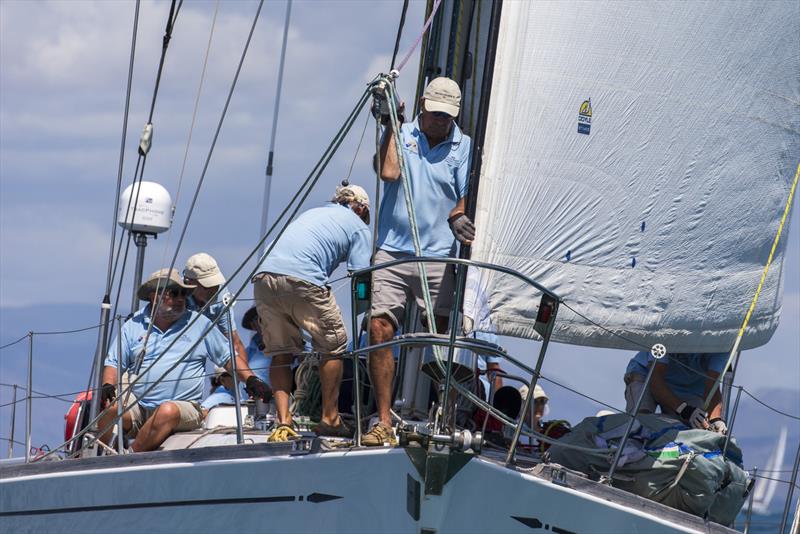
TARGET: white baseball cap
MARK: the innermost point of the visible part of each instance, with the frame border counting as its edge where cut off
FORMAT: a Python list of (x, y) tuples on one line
[(204, 269), (538, 392), (443, 94), (352, 192)]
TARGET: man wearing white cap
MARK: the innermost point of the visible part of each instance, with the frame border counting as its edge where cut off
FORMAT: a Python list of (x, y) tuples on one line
[(292, 294), (167, 346), (437, 157)]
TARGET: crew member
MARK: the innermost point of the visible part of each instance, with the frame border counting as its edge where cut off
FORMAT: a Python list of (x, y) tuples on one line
[(164, 338), (292, 294), (437, 157), (680, 385)]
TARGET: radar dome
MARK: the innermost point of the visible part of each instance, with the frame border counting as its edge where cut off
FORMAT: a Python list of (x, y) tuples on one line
[(146, 208)]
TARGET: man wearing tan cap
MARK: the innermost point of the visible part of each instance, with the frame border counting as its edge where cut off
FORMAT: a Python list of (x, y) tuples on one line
[(437, 158), (159, 336), (292, 295)]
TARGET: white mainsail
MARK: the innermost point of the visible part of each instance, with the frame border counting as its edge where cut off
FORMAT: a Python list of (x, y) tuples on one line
[(637, 163)]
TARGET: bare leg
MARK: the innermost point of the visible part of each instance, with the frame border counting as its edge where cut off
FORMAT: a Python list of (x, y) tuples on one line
[(280, 375), (157, 428), (381, 368), (330, 376), (106, 422)]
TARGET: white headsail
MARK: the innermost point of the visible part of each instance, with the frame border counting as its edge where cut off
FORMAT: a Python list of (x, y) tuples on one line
[(637, 159)]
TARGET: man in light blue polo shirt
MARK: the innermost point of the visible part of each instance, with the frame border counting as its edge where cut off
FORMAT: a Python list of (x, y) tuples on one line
[(292, 295), (159, 336), (437, 158), (680, 385)]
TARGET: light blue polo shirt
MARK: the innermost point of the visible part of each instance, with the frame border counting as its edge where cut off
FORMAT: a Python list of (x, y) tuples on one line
[(438, 177), (185, 382), (686, 373), (258, 363), (216, 308), (315, 243)]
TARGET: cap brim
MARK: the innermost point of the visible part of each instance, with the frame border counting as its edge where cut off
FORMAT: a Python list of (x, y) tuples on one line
[(450, 109), (211, 281)]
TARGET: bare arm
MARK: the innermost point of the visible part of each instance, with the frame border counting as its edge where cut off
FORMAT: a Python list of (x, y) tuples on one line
[(390, 164), (242, 367), (109, 375), (715, 407), (660, 389), (461, 207)]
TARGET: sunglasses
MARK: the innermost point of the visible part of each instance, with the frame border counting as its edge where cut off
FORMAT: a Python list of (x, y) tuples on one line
[(175, 292), (441, 115)]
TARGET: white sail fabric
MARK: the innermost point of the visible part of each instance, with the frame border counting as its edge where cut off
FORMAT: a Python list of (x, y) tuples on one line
[(637, 160)]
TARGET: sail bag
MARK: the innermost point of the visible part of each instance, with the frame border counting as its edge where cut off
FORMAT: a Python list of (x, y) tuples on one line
[(637, 159)]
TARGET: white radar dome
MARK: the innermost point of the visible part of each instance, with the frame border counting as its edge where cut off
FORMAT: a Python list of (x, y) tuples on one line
[(152, 213)]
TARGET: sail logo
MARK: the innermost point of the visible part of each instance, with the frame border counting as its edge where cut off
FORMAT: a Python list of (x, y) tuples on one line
[(585, 117)]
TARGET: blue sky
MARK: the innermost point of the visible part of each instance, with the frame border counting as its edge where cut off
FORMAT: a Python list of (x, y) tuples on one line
[(62, 87)]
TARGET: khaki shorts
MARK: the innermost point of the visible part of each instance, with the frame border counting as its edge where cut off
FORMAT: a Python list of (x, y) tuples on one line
[(191, 416), (287, 305), (394, 287)]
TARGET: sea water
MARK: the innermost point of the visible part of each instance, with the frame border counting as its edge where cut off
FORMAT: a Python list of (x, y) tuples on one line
[(764, 524)]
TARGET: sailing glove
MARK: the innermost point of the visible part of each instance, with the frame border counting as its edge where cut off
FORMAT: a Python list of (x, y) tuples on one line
[(256, 388), (462, 228), (108, 393), (692, 415), (718, 425)]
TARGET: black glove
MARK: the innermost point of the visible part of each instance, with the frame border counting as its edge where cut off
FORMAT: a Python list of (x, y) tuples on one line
[(462, 228), (108, 393), (694, 416), (256, 388)]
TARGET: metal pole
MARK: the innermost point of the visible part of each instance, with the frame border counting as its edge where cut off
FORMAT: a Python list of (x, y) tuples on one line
[(733, 420), (460, 279), (609, 478), (750, 503), (120, 401), (537, 370), (270, 156), (141, 243), (788, 505), (356, 346), (236, 400), (28, 407), (99, 357), (13, 418)]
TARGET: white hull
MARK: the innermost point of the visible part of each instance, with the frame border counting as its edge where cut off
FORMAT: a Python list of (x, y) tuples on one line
[(259, 488)]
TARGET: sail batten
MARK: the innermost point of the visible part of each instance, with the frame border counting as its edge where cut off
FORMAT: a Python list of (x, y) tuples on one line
[(636, 163)]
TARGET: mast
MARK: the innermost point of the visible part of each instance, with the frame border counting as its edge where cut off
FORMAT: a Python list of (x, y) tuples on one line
[(268, 179)]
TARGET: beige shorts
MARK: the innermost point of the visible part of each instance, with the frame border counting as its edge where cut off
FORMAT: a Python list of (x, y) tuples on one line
[(191, 416), (286, 305), (394, 287)]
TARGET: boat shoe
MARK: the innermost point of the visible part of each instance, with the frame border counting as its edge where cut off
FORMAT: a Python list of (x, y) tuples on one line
[(338, 431), (378, 436), (282, 433)]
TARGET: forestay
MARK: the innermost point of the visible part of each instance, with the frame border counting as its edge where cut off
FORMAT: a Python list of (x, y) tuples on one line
[(637, 159)]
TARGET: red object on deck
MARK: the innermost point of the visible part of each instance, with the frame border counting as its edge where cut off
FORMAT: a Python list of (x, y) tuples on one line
[(71, 417)]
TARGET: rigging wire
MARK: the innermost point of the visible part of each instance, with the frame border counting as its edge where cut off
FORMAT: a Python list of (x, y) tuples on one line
[(421, 35), (13, 342), (399, 33)]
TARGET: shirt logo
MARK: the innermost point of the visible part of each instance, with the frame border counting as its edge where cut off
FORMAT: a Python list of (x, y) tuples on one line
[(411, 146)]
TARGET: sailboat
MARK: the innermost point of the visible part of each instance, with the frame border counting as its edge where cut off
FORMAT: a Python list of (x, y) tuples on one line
[(617, 150), (763, 494)]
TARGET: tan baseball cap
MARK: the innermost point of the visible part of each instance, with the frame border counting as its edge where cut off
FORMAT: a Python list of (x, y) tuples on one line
[(204, 269), (443, 94), (352, 192), (538, 392), (162, 279)]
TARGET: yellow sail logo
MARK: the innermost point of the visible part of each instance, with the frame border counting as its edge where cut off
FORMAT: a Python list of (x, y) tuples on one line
[(586, 108), (585, 117)]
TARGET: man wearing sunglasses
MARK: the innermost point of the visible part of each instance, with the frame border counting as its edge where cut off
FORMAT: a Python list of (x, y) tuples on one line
[(437, 157), (162, 335)]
